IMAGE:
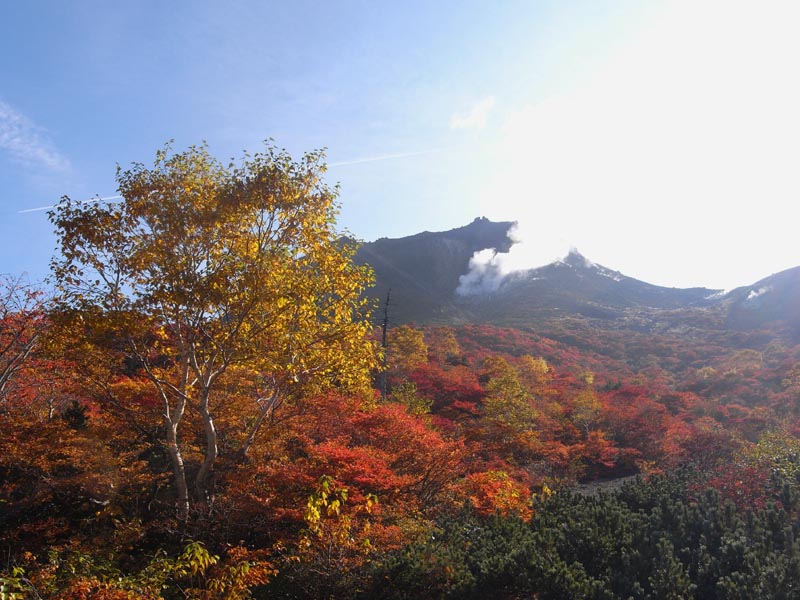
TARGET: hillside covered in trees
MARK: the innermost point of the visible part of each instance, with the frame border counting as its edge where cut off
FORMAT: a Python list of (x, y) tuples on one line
[(193, 408)]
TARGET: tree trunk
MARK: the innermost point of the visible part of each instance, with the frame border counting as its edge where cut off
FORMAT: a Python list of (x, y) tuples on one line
[(181, 489), (201, 482)]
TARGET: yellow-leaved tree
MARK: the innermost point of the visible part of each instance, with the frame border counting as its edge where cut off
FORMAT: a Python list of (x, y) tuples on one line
[(201, 270)]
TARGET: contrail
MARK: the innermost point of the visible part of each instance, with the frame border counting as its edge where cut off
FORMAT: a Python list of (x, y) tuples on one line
[(358, 161), (40, 208)]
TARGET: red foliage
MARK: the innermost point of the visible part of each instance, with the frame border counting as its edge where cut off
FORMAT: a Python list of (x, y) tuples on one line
[(457, 384), (383, 451), (745, 485)]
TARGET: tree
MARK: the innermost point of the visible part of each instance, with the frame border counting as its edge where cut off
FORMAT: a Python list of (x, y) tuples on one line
[(406, 350), (202, 270), (586, 406), (444, 347), (507, 401), (534, 373), (407, 394), (22, 322), (586, 409)]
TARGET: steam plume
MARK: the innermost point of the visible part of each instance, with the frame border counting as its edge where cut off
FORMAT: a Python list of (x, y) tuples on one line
[(532, 248)]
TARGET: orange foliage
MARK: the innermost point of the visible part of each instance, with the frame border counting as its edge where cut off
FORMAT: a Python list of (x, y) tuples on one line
[(492, 492)]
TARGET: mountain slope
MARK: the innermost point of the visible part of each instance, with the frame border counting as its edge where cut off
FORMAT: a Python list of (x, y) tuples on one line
[(575, 285), (422, 270), (771, 302)]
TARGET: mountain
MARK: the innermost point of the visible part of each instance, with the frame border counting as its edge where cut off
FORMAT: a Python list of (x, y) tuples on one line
[(424, 272), (771, 302)]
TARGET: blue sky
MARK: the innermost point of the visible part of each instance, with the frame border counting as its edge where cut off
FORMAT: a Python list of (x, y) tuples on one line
[(657, 137)]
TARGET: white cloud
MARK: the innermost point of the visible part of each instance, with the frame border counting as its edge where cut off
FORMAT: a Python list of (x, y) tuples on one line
[(27, 143), (474, 119), (679, 147)]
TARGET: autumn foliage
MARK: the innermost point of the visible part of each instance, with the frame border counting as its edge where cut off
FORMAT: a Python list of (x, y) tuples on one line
[(195, 412)]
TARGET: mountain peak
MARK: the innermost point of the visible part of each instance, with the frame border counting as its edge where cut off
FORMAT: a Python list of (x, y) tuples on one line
[(483, 234), (576, 259)]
